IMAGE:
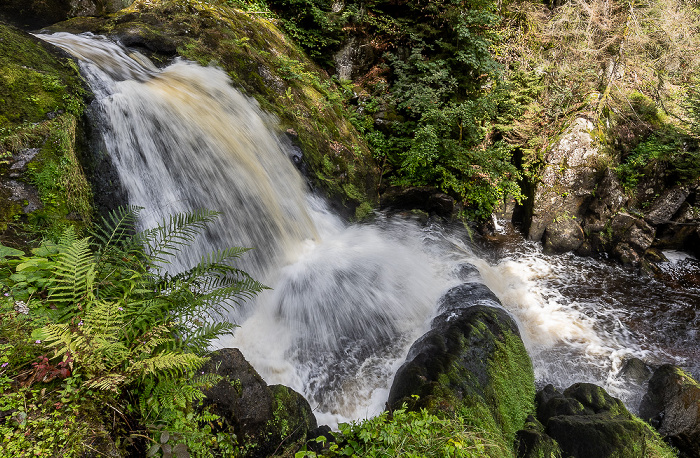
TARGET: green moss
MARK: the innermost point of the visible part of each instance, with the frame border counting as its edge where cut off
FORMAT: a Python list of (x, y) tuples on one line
[(41, 100), (513, 384), (33, 82)]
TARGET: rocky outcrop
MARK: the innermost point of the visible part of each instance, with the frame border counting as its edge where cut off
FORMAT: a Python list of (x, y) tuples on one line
[(355, 57), (471, 363), (581, 207), (42, 96), (672, 406), (586, 422), (266, 419), (567, 186)]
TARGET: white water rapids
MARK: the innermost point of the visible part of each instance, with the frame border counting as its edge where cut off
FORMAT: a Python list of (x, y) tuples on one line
[(346, 300)]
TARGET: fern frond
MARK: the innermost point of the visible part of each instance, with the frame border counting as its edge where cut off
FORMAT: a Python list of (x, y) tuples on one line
[(170, 363), (74, 272), (118, 227), (110, 382), (200, 337), (215, 263), (166, 240)]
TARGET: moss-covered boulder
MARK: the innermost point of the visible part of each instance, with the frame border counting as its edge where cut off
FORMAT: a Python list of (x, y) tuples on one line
[(266, 65), (42, 98), (264, 419), (587, 422), (533, 442), (471, 363), (672, 405)]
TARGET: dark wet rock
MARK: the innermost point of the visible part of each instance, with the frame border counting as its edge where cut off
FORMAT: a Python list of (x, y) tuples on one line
[(462, 297), (467, 272), (562, 235), (587, 422), (672, 406), (533, 442), (666, 205), (425, 198), (635, 371), (35, 14), (268, 418), (471, 362)]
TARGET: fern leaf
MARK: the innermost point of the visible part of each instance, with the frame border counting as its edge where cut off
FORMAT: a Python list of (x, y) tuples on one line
[(110, 382), (168, 363), (74, 272), (118, 227), (166, 240)]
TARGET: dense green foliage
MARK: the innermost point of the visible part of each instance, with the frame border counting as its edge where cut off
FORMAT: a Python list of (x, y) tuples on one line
[(110, 326), (404, 433), (439, 91)]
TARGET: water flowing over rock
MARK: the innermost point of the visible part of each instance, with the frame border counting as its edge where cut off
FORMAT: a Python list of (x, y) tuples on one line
[(672, 405)]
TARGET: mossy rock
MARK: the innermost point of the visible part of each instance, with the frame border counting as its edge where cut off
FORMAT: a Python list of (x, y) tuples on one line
[(533, 442), (42, 98), (265, 65), (471, 363), (672, 405), (587, 422), (262, 418)]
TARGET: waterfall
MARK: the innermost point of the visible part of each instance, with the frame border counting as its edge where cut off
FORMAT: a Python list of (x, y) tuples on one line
[(346, 300)]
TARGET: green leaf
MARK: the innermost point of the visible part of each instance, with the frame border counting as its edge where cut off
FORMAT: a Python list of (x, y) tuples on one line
[(6, 251), (153, 450)]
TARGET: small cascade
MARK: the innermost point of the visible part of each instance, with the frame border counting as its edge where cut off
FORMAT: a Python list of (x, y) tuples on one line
[(348, 300)]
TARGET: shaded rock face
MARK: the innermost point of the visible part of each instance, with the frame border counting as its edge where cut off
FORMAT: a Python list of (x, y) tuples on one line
[(425, 198), (533, 442), (672, 406), (568, 182), (472, 362), (587, 422), (354, 59), (579, 207), (35, 14), (266, 418)]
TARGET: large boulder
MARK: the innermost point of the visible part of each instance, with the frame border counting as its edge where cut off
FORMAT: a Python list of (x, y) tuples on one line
[(672, 405), (263, 418), (567, 185), (471, 363), (587, 422)]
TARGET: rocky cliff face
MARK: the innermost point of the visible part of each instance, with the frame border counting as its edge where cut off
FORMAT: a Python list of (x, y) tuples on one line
[(580, 205)]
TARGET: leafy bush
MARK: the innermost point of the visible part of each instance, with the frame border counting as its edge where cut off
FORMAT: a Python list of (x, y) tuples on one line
[(122, 331), (405, 433)]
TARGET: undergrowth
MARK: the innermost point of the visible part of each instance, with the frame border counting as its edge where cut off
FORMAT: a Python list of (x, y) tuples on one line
[(115, 340)]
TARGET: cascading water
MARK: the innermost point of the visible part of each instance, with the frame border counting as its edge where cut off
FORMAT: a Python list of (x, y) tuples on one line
[(346, 301)]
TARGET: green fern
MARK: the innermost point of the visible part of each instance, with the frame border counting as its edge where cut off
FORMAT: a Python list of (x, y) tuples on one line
[(131, 329)]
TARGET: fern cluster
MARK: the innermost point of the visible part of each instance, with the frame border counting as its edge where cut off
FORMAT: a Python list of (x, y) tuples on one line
[(129, 328)]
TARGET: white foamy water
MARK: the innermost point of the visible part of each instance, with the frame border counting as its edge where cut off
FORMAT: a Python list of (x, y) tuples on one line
[(346, 300)]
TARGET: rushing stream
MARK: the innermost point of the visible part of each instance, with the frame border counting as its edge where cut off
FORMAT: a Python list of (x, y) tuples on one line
[(347, 300)]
